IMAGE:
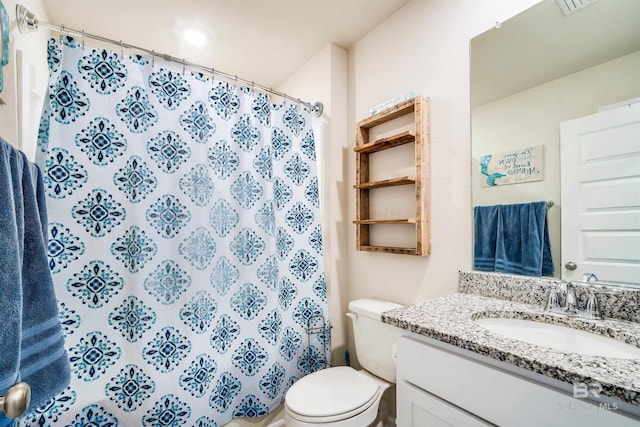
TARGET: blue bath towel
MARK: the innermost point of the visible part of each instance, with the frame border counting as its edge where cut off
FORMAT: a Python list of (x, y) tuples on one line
[(485, 229), (31, 340), (512, 239), (522, 242)]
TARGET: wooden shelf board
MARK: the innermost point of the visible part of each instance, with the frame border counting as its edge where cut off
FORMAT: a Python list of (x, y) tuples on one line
[(392, 182), (391, 113), (388, 142), (385, 221), (389, 250)]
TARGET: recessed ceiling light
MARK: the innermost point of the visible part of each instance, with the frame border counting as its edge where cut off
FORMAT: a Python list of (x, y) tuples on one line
[(195, 37)]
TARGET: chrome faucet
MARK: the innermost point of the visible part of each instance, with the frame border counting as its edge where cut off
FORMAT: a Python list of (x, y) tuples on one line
[(562, 299)]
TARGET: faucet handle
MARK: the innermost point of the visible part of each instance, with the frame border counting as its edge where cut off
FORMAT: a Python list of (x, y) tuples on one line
[(553, 302), (592, 307), (561, 291), (562, 287)]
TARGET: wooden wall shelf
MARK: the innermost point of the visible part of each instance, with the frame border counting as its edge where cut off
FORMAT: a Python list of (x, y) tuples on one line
[(419, 108), (392, 182), (389, 250), (389, 142), (386, 221)]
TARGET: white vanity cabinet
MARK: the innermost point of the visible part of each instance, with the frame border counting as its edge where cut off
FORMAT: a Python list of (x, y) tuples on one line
[(441, 385)]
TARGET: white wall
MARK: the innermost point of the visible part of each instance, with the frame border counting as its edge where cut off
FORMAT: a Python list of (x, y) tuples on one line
[(533, 117), (34, 73), (423, 48)]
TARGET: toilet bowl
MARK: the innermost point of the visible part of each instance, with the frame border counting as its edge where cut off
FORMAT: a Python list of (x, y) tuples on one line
[(342, 396), (339, 397)]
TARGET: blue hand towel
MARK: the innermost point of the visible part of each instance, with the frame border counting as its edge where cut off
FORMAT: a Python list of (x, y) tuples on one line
[(522, 243), (31, 341), (485, 229)]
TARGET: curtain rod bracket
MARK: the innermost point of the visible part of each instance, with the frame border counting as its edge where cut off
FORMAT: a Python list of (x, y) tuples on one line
[(28, 23), (317, 109)]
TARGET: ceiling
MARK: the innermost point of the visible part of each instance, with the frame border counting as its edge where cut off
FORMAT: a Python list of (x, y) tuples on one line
[(258, 40), (542, 44)]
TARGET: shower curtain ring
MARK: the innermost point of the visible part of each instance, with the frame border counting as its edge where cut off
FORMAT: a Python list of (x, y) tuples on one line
[(121, 49), (82, 39), (153, 59), (235, 82), (213, 75), (61, 32), (184, 66)]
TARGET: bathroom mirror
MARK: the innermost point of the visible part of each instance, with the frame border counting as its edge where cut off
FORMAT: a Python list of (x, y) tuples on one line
[(536, 70)]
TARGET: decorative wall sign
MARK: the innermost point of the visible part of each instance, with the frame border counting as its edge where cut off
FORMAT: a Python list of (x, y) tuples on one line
[(513, 167)]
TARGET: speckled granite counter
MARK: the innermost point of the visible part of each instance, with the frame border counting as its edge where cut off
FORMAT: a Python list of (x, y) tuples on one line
[(450, 319)]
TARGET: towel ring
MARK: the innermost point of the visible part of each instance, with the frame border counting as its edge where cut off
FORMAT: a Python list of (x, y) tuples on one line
[(16, 401)]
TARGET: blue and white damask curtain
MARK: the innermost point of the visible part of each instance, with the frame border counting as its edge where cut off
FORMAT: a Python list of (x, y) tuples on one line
[(185, 242)]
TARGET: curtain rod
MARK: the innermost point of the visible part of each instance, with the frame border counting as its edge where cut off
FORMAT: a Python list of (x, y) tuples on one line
[(27, 22)]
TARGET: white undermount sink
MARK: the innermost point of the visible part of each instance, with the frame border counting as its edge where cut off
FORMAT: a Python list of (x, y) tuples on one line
[(559, 337)]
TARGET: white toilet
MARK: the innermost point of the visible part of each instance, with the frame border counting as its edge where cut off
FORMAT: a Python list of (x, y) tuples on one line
[(341, 396)]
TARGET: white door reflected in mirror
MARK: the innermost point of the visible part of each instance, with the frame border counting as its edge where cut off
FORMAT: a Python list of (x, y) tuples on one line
[(600, 190)]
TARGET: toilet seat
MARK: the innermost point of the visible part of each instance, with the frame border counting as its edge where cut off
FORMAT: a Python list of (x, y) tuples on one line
[(332, 418), (331, 395)]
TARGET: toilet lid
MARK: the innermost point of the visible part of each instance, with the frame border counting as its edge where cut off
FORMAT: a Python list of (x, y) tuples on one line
[(330, 392)]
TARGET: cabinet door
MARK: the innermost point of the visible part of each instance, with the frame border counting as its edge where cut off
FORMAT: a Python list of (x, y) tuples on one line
[(418, 408)]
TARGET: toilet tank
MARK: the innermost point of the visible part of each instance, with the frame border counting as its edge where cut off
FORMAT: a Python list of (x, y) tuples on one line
[(373, 339)]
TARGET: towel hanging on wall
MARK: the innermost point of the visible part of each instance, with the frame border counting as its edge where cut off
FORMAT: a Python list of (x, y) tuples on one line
[(31, 341), (515, 237), (485, 219)]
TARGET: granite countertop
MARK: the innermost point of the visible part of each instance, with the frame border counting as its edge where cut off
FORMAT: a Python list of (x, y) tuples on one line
[(450, 319)]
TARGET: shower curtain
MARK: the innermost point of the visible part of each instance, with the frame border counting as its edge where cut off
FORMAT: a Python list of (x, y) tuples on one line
[(184, 242)]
